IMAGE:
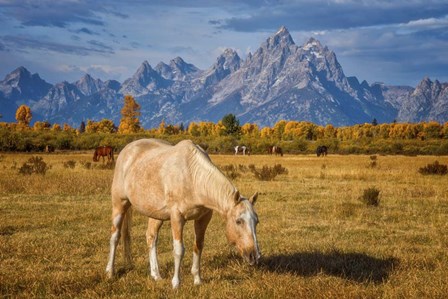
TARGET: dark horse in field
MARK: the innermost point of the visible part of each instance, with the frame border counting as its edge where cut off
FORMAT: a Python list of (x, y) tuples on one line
[(321, 150), (275, 150), (103, 151)]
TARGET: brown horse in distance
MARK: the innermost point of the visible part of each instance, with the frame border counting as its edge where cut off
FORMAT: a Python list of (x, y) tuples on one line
[(275, 150), (103, 151)]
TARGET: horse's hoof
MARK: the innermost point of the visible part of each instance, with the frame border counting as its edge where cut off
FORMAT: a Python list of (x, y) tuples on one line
[(197, 282), (109, 275), (175, 283)]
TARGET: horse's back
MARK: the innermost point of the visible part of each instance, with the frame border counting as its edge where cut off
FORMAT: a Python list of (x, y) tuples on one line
[(139, 149), (149, 172)]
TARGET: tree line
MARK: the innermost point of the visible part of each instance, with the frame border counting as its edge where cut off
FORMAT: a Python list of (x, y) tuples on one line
[(295, 136)]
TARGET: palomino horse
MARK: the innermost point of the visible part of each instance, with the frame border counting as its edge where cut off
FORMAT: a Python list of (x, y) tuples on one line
[(177, 183), (103, 151), (242, 149)]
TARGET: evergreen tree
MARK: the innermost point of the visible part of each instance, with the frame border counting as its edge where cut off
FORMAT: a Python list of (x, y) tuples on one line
[(82, 127), (231, 123)]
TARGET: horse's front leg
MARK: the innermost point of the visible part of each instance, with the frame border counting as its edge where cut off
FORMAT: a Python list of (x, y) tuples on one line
[(152, 235), (200, 226), (177, 226)]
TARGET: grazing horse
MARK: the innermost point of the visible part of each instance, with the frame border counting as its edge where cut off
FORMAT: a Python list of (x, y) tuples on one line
[(275, 150), (177, 183), (103, 151), (321, 150), (49, 149), (242, 149)]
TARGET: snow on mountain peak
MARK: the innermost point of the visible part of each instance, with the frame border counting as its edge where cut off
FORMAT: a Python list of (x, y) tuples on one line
[(312, 43)]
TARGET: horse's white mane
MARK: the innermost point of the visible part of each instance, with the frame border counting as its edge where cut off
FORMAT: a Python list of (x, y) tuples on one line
[(206, 175)]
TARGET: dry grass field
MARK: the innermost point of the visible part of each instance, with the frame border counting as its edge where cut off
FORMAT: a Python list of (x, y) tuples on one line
[(317, 239)]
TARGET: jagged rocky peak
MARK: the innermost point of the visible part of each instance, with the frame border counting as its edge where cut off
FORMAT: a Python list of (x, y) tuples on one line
[(314, 44), (428, 88), (144, 70), (21, 74), (281, 38), (88, 85), (18, 73), (178, 69), (178, 64), (146, 74), (317, 50), (229, 59), (164, 70), (112, 84), (424, 86), (21, 83)]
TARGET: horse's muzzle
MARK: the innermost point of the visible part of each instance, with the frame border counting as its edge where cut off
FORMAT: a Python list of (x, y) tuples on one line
[(252, 257)]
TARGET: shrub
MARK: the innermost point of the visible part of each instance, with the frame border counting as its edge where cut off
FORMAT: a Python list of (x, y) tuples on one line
[(70, 164), (243, 168), (230, 171), (279, 169), (34, 165), (434, 168), (86, 165), (267, 173), (370, 197)]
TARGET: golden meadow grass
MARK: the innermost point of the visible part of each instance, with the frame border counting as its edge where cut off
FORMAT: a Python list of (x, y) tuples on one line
[(318, 240)]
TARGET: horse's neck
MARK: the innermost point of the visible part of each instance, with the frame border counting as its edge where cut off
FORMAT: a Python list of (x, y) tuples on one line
[(215, 188)]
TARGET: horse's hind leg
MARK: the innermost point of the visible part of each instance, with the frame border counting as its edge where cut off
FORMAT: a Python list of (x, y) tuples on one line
[(152, 235), (118, 214), (200, 226)]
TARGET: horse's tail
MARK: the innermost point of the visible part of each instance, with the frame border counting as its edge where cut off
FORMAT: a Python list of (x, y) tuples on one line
[(112, 153), (126, 236), (95, 156)]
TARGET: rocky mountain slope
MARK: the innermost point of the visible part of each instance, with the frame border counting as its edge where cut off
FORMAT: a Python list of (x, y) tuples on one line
[(280, 80)]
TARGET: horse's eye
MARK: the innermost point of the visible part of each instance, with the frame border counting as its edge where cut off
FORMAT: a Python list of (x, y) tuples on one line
[(239, 221)]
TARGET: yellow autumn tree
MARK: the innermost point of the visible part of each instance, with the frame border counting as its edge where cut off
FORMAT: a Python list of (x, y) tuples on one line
[(41, 125), (162, 127), (67, 128), (266, 132), (129, 122), (330, 131), (445, 130), (249, 129), (219, 129), (103, 126), (23, 116), (56, 127), (193, 129)]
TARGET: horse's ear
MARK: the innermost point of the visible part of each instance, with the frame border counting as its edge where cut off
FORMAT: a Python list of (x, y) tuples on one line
[(253, 198), (236, 197)]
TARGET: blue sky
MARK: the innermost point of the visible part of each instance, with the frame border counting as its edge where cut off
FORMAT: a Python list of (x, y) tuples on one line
[(397, 42)]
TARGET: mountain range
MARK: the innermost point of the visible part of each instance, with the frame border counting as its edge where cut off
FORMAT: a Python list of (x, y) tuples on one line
[(280, 80)]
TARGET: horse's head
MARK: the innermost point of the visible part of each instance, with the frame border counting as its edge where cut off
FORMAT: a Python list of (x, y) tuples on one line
[(241, 228)]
